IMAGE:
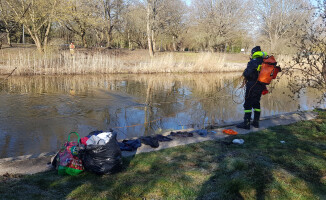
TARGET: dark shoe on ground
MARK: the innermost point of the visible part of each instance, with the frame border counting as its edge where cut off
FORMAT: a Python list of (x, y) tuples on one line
[(244, 125), (255, 124)]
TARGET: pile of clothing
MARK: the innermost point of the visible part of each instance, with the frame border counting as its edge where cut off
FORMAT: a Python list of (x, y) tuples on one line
[(152, 141), (96, 138)]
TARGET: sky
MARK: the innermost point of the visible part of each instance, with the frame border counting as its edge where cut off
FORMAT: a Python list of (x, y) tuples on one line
[(314, 2), (188, 2)]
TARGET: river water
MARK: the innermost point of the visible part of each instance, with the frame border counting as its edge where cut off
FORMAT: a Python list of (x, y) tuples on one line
[(37, 113)]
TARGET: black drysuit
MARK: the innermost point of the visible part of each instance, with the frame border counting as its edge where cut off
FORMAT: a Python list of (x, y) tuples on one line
[(253, 87)]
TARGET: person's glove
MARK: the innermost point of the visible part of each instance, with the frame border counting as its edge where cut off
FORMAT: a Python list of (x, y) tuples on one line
[(265, 91)]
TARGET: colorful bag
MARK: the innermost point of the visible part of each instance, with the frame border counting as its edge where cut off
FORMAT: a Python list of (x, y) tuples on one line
[(230, 132), (268, 70), (67, 159)]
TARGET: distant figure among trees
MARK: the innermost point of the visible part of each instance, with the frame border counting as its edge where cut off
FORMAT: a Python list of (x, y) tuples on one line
[(72, 48)]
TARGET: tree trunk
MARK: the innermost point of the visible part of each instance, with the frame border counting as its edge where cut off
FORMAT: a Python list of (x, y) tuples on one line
[(8, 38), (274, 40), (38, 44), (272, 47), (160, 48), (153, 41), (109, 27), (324, 72), (129, 41), (46, 36), (149, 29), (108, 38), (174, 46), (36, 40), (84, 39)]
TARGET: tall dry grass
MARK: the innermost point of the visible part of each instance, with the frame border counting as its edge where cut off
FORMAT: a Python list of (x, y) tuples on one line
[(58, 63)]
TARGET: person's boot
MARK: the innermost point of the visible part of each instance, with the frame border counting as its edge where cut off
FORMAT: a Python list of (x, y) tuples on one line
[(246, 123), (255, 123)]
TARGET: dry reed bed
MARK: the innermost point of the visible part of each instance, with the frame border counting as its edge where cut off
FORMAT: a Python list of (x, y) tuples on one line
[(31, 63)]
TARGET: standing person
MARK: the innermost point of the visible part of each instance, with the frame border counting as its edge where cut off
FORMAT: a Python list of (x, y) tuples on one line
[(254, 88), (72, 48)]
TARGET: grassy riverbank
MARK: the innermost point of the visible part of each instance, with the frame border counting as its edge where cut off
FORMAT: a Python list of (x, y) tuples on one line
[(107, 61), (262, 168)]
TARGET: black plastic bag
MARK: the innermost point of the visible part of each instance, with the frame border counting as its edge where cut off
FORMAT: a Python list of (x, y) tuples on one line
[(102, 159)]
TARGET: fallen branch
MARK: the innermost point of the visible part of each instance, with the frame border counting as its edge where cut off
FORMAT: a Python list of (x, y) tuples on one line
[(8, 76)]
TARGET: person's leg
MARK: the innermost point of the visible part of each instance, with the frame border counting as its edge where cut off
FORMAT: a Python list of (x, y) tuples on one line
[(255, 122), (256, 105), (246, 121), (247, 108)]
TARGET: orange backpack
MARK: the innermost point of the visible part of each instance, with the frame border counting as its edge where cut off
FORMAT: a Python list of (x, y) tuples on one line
[(268, 70)]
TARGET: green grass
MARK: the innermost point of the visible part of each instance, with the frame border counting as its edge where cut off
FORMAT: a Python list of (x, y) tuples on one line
[(261, 168)]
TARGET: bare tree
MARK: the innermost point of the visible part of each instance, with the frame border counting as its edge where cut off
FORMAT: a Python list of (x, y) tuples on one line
[(134, 19), (170, 19), (218, 21), (7, 17), (112, 14), (107, 5), (38, 19), (307, 69), (279, 20), (80, 17)]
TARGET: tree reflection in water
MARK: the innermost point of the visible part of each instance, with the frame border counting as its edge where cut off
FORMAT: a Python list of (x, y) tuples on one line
[(38, 112)]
